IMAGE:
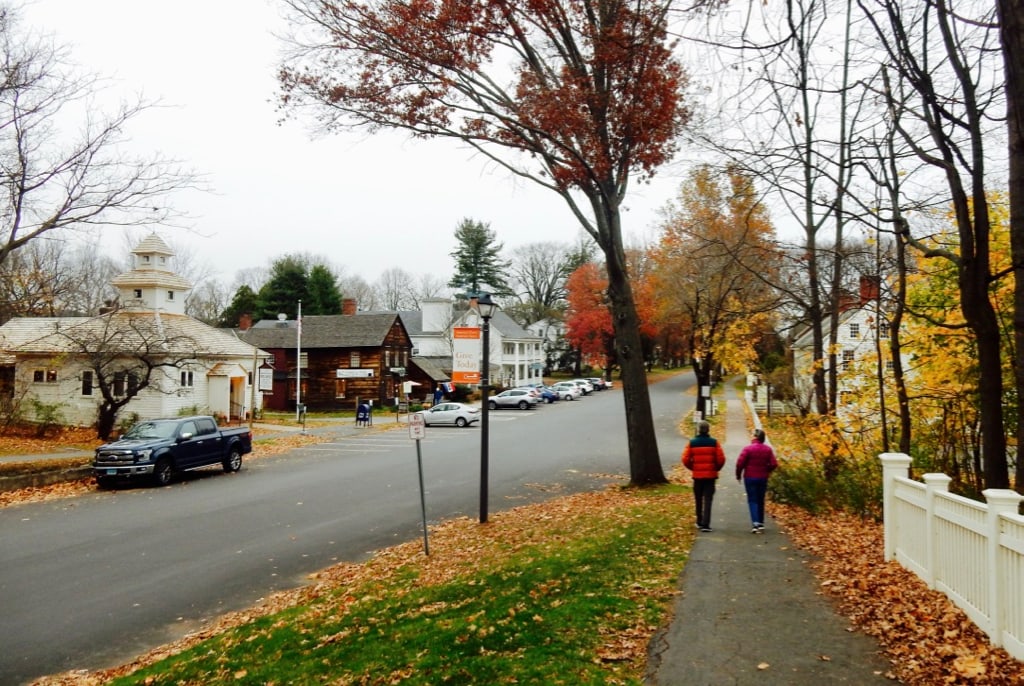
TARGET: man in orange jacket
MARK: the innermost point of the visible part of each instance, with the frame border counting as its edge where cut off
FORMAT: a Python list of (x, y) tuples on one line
[(704, 456)]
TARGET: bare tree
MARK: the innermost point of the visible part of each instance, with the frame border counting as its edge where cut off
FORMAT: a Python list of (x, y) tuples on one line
[(127, 352), (395, 289), (944, 57), (50, 181), (356, 288), (429, 285)]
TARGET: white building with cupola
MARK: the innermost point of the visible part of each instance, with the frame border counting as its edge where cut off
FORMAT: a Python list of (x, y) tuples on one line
[(62, 363)]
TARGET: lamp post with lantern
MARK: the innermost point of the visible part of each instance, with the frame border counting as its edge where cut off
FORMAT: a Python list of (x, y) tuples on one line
[(486, 307)]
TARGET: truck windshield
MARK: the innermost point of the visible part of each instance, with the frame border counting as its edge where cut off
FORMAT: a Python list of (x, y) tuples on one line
[(145, 430)]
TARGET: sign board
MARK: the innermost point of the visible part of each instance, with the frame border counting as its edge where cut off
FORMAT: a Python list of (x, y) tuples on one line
[(397, 370), (266, 379), (705, 391), (466, 355), (354, 373), (417, 428)]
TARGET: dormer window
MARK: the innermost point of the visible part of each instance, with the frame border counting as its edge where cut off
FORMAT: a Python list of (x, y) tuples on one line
[(163, 260), (145, 259), (138, 293), (170, 295)]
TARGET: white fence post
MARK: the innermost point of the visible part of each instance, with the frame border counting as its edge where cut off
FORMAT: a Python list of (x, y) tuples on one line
[(1000, 501), (893, 465), (934, 483)]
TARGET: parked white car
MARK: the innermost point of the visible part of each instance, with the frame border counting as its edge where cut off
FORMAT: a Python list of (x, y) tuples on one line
[(455, 414), (567, 390), (587, 387), (514, 397)]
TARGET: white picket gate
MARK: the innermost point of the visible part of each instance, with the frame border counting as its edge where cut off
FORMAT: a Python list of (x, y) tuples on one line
[(971, 551)]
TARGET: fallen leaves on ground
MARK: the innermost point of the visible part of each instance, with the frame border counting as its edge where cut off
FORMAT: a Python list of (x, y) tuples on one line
[(927, 638), (456, 546), (267, 444)]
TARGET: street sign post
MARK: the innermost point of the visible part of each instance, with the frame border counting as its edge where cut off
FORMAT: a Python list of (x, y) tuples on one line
[(417, 431), (417, 428)]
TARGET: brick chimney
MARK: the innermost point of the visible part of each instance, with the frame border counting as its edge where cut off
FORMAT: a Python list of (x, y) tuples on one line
[(869, 288), (244, 321), (348, 306)]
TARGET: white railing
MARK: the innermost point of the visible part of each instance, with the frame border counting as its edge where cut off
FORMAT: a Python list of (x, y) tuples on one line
[(971, 551)]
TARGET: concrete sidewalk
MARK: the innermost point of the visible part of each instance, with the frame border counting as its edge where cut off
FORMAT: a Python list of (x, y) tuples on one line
[(749, 610)]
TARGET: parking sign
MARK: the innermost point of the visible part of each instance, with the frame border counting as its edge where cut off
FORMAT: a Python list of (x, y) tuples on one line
[(417, 427)]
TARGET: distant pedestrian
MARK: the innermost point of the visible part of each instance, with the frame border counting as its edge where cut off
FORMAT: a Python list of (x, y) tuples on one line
[(438, 395), (703, 456), (755, 464)]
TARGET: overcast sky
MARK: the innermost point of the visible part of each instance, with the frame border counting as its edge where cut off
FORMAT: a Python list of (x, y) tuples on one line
[(367, 203)]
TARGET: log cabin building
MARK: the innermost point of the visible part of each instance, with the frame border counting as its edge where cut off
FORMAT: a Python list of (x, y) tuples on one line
[(346, 358)]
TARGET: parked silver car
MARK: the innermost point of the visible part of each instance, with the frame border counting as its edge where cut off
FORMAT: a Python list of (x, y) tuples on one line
[(521, 398), (584, 385), (455, 414), (567, 390)]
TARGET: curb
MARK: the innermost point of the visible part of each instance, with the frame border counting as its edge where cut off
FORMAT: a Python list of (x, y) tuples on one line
[(39, 479)]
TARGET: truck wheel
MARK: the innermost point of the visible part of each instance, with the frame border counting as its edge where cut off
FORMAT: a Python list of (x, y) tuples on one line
[(163, 471), (234, 461)]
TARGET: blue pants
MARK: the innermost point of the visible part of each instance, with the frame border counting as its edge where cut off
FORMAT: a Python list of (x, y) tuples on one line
[(756, 489)]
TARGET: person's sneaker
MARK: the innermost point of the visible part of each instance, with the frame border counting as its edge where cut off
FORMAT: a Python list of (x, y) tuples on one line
[(706, 529), (755, 530), (759, 525)]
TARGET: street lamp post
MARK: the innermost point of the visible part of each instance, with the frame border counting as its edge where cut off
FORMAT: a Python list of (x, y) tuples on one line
[(486, 307)]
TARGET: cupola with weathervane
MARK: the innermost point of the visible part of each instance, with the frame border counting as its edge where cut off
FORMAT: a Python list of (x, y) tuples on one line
[(151, 284)]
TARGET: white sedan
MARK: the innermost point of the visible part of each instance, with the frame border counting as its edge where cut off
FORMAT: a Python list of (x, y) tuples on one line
[(454, 414)]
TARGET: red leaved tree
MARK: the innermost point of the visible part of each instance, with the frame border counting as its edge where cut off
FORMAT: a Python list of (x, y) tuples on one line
[(578, 97), (588, 322)]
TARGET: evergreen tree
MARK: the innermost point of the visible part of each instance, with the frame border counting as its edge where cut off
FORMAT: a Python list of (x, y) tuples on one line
[(323, 293), (288, 285), (478, 265), (245, 301)]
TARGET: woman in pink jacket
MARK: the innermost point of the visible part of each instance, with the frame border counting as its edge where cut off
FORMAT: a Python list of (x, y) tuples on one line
[(755, 464)]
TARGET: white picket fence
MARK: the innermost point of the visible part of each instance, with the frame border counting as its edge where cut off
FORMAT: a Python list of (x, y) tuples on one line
[(971, 551)]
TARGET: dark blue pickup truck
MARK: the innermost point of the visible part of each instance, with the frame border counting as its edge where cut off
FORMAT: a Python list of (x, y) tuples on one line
[(158, 448)]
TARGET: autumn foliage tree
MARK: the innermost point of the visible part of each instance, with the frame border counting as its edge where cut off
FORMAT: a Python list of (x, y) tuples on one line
[(577, 97), (588, 322), (713, 262)]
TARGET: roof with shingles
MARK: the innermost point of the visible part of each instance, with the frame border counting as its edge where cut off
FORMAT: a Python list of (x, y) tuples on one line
[(436, 368), (362, 330), (56, 335)]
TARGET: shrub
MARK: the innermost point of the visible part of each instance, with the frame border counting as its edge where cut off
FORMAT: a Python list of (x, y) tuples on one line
[(47, 416), (820, 485), (127, 421)]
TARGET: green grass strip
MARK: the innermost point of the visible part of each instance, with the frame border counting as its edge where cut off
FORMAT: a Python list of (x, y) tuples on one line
[(563, 598)]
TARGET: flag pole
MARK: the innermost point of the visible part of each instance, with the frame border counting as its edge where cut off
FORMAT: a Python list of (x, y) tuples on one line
[(298, 364)]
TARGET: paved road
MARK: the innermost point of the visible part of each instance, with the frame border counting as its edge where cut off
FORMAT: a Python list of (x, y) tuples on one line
[(96, 580)]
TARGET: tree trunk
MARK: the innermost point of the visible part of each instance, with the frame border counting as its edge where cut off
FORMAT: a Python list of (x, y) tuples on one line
[(644, 458), (1011, 24), (895, 345), (105, 418), (981, 317)]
